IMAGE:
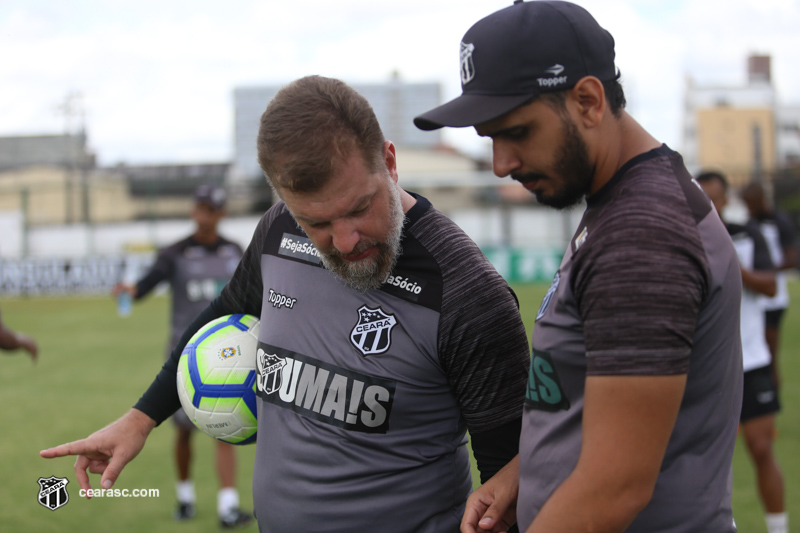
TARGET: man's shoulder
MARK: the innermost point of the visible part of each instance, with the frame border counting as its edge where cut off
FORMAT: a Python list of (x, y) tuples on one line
[(657, 191), (226, 245), (278, 211), (653, 216), (176, 248), (458, 257), (439, 234)]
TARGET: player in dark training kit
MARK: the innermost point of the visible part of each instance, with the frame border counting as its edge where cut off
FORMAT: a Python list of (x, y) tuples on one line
[(760, 402), (634, 391), (196, 269), (385, 335)]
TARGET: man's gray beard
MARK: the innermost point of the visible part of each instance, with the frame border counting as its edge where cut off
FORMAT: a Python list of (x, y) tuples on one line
[(371, 273)]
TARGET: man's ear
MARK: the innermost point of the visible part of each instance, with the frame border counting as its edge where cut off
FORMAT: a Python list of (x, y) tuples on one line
[(390, 159), (589, 99)]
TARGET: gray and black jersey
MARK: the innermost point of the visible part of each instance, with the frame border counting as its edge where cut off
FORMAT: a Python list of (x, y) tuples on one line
[(649, 285), (365, 398), (196, 274)]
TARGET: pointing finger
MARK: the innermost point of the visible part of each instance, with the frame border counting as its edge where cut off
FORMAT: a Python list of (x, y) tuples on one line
[(77, 447)]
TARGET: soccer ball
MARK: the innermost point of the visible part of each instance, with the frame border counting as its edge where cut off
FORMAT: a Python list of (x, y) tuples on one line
[(217, 378)]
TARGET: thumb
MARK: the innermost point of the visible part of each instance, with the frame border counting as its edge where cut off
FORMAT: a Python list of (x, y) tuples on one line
[(492, 519), (489, 519), (112, 472)]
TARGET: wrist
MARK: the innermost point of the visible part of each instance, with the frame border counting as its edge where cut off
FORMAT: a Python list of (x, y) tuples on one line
[(142, 423)]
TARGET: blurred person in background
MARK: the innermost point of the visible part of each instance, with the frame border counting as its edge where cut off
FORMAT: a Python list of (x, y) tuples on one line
[(760, 400), (196, 269), (778, 230), (11, 340)]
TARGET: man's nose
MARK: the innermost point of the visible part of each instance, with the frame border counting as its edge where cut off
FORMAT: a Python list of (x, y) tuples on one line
[(344, 235)]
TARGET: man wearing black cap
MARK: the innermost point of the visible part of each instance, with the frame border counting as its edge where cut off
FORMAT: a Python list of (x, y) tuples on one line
[(634, 390), (197, 268)]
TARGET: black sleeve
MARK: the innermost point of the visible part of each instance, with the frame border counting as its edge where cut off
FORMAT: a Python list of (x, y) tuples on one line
[(161, 398), (161, 270), (762, 260), (786, 232), (494, 448)]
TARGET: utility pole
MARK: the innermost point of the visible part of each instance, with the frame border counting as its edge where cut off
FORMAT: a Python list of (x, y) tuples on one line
[(75, 132), (758, 164)]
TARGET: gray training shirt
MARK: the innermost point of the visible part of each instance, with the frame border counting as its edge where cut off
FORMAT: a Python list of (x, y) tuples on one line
[(649, 285), (365, 398)]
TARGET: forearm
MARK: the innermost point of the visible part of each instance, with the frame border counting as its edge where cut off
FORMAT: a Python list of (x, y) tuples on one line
[(582, 503), (142, 423), (161, 398), (789, 258), (627, 423), (493, 449), (762, 282), (146, 284), (8, 339)]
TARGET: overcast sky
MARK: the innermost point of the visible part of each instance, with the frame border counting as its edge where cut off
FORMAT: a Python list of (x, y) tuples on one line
[(157, 76)]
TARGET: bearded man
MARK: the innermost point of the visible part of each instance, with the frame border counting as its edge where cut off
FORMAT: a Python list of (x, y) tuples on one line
[(399, 337)]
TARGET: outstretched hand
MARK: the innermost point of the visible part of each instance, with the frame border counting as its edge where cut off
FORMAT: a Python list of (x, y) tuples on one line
[(123, 287), (28, 344), (108, 450), (492, 508)]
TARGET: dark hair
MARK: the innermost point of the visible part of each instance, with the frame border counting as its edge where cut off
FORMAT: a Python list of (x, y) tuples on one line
[(615, 97), (311, 125), (753, 190), (711, 175)]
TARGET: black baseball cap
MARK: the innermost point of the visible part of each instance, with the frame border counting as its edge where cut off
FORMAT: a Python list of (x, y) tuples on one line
[(212, 195), (520, 52)]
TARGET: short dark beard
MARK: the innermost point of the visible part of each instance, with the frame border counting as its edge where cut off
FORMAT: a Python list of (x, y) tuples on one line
[(371, 273), (573, 169)]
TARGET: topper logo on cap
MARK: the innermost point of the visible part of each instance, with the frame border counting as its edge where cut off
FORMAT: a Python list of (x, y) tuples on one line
[(467, 66), (555, 70)]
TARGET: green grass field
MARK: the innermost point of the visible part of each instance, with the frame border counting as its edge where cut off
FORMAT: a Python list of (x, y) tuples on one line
[(94, 365)]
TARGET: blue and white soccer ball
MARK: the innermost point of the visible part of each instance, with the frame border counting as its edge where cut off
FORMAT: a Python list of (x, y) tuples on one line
[(217, 378)]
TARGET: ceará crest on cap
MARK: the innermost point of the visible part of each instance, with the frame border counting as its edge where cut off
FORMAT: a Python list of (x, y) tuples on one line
[(467, 66)]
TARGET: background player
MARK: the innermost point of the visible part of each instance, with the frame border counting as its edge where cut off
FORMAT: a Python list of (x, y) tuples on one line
[(197, 268), (778, 230), (760, 400), (401, 337)]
